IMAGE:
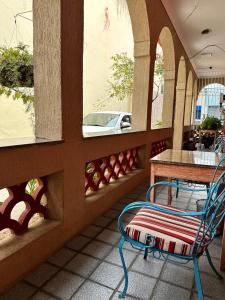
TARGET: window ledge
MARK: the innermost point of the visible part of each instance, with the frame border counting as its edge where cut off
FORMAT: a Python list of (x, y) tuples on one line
[(21, 142)]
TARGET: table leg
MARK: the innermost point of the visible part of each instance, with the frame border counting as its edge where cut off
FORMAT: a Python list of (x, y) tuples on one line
[(152, 196), (222, 258), (169, 193)]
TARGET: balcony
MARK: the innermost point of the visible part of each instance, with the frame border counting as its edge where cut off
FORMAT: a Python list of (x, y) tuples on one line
[(60, 241)]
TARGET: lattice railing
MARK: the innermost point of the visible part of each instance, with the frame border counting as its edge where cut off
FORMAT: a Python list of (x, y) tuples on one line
[(22, 203), (105, 170), (159, 147)]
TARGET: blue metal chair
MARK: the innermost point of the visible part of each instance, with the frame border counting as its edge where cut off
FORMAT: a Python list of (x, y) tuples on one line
[(169, 232)]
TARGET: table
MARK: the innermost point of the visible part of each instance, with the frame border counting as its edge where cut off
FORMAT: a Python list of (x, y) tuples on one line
[(188, 165)]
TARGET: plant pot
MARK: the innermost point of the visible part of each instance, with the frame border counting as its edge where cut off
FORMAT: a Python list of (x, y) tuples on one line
[(26, 76)]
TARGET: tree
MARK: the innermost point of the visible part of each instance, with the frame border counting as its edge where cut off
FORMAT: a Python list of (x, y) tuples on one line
[(122, 79)]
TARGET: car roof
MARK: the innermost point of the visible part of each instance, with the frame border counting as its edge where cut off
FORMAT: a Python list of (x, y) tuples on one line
[(111, 112)]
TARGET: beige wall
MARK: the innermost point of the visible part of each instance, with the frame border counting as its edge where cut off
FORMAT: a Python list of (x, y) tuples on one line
[(15, 122), (102, 40)]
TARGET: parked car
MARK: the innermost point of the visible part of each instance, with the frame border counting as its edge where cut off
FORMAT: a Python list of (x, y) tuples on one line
[(106, 122)]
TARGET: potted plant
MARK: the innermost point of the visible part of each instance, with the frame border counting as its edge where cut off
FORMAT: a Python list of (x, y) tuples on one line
[(208, 130), (16, 67), (16, 73)]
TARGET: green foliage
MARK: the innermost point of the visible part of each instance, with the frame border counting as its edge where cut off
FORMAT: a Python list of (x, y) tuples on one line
[(158, 124), (211, 123), (16, 72), (159, 69), (122, 80), (31, 186)]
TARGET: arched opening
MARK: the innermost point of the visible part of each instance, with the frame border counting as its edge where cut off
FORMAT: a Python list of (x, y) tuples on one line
[(208, 102), (116, 49), (179, 106), (188, 100), (164, 80)]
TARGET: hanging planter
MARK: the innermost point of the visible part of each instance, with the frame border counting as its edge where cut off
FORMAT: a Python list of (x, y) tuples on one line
[(16, 67)]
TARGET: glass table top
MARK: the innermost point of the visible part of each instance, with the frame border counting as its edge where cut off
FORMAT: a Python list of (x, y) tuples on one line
[(184, 157)]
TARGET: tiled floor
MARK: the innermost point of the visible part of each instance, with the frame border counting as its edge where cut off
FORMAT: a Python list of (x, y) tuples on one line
[(89, 268)]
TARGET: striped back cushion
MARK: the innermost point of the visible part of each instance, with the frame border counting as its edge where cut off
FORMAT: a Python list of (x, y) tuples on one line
[(172, 233)]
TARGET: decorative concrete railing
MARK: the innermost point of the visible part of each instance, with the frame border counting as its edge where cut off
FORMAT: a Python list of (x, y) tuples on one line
[(22, 203), (159, 147), (103, 171)]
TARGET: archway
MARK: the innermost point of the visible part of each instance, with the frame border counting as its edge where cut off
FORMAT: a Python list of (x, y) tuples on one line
[(164, 80), (208, 101), (179, 107)]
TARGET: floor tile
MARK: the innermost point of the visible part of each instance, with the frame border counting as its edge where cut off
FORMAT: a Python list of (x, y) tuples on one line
[(204, 265), (178, 275), (215, 250), (91, 291), (165, 291), (212, 286), (113, 214), (114, 257), (140, 286), (63, 285), (102, 221), (78, 242), (150, 266), (41, 274), (61, 257), (116, 297), (91, 231), (82, 265), (113, 226), (42, 296), (97, 249), (108, 275), (109, 236), (195, 297), (20, 291)]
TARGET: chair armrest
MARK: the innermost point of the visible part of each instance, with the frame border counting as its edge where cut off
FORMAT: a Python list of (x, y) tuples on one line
[(166, 183)]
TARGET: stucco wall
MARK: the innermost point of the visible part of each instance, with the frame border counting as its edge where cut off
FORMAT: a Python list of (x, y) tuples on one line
[(14, 121), (107, 31)]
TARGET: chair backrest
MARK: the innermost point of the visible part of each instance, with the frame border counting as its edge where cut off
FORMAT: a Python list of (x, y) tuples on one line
[(220, 144), (213, 212)]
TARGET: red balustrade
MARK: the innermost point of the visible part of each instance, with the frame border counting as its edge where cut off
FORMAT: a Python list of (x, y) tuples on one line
[(159, 147), (105, 170), (33, 205)]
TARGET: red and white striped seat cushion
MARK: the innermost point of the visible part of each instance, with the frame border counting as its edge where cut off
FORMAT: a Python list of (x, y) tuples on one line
[(172, 233)]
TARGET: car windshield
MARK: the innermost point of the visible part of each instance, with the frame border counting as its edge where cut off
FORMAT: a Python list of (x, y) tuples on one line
[(101, 119)]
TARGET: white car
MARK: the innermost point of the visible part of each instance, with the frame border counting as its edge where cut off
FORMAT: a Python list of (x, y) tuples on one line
[(106, 122)]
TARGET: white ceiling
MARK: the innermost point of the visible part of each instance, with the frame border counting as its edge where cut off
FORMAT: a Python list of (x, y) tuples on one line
[(189, 18)]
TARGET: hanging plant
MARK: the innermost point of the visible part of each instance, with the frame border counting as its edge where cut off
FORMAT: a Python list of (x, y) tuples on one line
[(16, 73), (16, 67)]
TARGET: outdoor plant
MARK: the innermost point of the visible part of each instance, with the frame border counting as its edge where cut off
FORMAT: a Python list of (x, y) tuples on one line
[(211, 123), (122, 79), (16, 73)]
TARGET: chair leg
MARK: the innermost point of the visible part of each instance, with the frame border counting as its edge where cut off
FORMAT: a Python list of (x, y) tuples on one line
[(146, 253), (123, 294), (212, 265), (177, 191), (198, 280)]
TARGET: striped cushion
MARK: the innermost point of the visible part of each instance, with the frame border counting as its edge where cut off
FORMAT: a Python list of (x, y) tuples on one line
[(173, 234)]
